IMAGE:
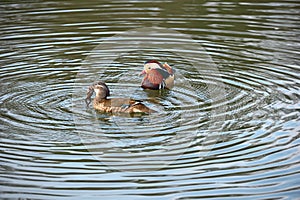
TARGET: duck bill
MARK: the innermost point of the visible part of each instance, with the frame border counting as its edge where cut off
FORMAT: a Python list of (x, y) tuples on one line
[(143, 73)]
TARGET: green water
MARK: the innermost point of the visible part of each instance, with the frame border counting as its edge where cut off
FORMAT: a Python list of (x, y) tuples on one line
[(229, 129)]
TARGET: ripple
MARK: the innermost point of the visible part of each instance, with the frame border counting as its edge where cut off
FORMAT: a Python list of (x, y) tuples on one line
[(227, 130)]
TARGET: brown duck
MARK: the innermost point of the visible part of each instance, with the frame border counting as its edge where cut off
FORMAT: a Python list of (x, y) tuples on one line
[(113, 105)]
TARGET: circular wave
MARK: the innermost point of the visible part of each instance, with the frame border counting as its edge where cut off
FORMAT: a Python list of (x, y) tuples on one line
[(178, 121)]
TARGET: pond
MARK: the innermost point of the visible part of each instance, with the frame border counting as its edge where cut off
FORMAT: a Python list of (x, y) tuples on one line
[(228, 129)]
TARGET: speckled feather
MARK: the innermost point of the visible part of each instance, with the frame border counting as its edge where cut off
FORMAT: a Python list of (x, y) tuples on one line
[(114, 105)]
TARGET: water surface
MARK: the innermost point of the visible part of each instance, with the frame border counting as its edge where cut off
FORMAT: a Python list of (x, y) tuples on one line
[(229, 129)]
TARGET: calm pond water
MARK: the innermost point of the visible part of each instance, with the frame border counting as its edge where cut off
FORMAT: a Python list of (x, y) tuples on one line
[(229, 129)]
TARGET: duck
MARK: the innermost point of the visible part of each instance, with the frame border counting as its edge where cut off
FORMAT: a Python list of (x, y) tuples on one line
[(157, 76), (102, 103)]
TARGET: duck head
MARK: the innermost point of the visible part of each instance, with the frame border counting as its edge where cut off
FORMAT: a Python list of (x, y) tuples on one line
[(101, 90), (149, 65), (155, 75)]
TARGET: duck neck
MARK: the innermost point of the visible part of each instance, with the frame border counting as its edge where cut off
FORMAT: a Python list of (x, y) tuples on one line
[(99, 99)]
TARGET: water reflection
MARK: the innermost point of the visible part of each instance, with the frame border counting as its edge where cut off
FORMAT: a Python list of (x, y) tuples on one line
[(252, 141)]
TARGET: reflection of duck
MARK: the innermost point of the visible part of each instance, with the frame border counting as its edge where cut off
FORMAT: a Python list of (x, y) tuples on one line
[(116, 105), (157, 75)]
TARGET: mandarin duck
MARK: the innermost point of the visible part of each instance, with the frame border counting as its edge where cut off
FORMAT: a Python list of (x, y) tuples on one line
[(157, 76), (113, 105)]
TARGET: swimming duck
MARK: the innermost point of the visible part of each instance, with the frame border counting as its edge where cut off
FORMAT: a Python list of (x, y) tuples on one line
[(113, 105), (157, 76)]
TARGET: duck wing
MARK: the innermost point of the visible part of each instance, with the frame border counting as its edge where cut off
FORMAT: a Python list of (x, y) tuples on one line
[(168, 68), (139, 107), (165, 74)]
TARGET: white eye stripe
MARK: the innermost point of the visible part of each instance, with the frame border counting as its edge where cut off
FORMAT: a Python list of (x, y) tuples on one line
[(100, 86), (152, 65)]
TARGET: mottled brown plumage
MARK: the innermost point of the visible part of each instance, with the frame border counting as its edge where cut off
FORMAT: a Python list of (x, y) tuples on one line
[(113, 105)]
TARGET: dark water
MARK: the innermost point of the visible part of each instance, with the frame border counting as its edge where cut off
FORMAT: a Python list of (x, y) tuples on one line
[(229, 129)]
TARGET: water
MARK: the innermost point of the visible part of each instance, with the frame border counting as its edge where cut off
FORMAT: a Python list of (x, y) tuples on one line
[(229, 129)]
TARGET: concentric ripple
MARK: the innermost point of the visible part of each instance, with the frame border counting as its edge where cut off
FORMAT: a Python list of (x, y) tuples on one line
[(229, 129), (161, 138)]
